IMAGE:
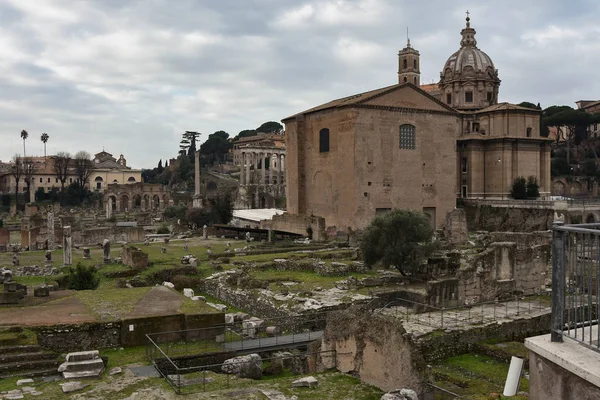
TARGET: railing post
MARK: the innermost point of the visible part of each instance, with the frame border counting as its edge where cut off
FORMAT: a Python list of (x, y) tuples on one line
[(558, 283)]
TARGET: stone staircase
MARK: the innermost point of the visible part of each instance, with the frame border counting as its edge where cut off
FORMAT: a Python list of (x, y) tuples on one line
[(27, 361)]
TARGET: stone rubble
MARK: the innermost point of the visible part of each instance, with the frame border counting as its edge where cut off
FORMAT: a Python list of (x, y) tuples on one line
[(308, 381)]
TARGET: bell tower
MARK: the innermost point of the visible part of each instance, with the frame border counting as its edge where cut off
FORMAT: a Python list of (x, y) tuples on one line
[(409, 65)]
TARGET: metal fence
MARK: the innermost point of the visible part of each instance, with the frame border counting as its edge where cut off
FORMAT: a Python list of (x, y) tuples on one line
[(474, 314), (576, 283), (191, 360)]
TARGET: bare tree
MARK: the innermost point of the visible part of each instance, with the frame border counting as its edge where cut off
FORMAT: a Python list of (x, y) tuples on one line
[(83, 167), (28, 172), (61, 167), (16, 170)]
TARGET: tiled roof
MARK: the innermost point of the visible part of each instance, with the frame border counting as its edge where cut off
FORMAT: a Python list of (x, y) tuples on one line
[(430, 87), (363, 97)]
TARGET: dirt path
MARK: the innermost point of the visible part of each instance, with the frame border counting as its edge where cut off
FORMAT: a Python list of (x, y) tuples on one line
[(159, 300), (67, 310)]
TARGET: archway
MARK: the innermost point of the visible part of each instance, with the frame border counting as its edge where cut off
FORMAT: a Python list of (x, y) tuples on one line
[(124, 203), (590, 219), (137, 201)]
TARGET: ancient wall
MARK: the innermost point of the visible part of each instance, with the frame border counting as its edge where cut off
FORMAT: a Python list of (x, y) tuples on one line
[(87, 336), (435, 347), (511, 263), (375, 348), (297, 224), (4, 236), (126, 332), (503, 219), (92, 236)]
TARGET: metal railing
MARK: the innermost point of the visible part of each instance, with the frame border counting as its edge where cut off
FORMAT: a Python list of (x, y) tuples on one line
[(455, 317), (576, 283)]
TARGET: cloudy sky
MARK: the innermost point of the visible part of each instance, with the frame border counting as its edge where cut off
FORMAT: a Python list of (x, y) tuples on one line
[(130, 76)]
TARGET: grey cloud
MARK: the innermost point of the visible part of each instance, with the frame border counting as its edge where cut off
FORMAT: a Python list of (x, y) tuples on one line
[(133, 75)]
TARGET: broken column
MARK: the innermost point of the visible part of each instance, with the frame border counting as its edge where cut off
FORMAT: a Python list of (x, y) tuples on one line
[(67, 246), (50, 230), (106, 249), (197, 201), (205, 232)]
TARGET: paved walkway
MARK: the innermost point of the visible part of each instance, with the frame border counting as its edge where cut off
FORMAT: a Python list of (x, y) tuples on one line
[(465, 318), (298, 339)]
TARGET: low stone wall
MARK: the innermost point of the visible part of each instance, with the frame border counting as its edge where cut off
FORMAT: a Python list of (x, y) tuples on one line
[(80, 336), (125, 333), (435, 347), (503, 219)]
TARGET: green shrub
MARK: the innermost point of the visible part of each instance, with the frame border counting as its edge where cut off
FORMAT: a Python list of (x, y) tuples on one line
[(533, 189), (519, 189), (163, 229), (82, 278)]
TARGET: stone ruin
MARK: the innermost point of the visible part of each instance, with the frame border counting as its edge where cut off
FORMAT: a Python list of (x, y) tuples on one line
[(134, 257), (12, 291)]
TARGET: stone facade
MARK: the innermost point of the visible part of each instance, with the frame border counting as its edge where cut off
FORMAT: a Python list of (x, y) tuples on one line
[(262, 173), (137, 196), (401, 147), (369, 165)]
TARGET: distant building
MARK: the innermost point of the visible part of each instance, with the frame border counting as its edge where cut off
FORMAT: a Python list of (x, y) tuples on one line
[(264, 140), (106, 170)]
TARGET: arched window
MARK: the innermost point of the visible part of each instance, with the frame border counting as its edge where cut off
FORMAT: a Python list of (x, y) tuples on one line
[(407, 137), (415, 64), (405, 79), (415, 81), (131, 179), (324, 140), (405, 63)]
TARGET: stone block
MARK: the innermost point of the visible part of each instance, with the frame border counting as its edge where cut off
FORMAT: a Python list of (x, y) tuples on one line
[(249, 366), (10, 287), (41, 291), (308, 381), (73, 386)]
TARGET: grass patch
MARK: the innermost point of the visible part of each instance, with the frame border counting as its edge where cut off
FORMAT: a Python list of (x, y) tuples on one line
[(474, 376), (189, 306)]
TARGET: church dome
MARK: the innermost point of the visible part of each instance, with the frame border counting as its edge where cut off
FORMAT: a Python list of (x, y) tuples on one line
[(469, 80), (469, 57)]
